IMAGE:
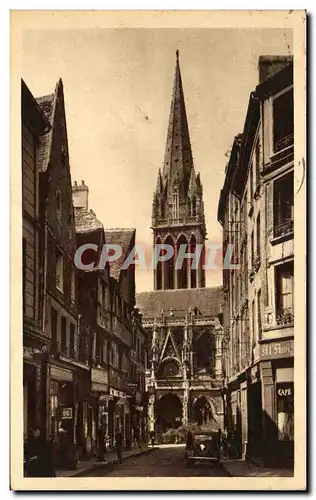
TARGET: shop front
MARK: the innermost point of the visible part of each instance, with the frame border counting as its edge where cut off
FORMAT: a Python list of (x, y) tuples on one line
[(61, 402), (277, 375), (99, 411)]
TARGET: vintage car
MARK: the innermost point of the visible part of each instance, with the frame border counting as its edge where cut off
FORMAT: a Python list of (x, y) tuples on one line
[(203, 445)]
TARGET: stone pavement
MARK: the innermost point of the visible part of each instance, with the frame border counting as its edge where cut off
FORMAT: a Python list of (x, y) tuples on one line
[(111, 459), (241, 468)]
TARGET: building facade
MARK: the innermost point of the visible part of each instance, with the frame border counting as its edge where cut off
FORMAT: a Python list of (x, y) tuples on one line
[(35, 343), (256, 212), (66, 378), (181, 316)]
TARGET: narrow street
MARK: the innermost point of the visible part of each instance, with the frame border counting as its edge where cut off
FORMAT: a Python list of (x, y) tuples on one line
[(162, 463)]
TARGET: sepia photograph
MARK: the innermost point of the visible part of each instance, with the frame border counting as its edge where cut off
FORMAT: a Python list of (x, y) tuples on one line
[(158, 213)]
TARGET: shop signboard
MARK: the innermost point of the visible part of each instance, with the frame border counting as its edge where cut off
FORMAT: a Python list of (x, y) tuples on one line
[(274, 350)]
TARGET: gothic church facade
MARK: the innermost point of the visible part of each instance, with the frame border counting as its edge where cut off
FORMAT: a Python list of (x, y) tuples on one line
[(182, 316)]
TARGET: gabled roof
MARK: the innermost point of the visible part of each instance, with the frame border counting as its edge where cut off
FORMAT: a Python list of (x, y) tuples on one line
[(86, 220), (123, 238), (47, 104), (208, 301)]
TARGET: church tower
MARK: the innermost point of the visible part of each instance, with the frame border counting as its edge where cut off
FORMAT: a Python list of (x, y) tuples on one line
[(178, 211)]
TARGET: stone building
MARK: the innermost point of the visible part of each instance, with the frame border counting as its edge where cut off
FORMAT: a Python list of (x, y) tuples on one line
[(181, 316), (256, 212), (35, 343)]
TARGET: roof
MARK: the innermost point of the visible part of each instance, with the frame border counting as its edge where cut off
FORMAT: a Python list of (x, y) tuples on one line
[(47, 104), (86, 220), (208, 301), (123, 238)]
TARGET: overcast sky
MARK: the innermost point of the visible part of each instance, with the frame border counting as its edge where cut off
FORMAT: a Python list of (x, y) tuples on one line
[(118, 87)]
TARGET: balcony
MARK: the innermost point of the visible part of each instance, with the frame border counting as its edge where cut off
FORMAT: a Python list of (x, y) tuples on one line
[(283, 143), (285, 318), (284, 229)]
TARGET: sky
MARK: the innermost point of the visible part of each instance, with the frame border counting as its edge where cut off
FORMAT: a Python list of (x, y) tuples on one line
[(118, 87)]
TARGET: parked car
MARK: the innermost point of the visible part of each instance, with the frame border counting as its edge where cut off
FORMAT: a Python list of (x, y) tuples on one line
[(203, 446)]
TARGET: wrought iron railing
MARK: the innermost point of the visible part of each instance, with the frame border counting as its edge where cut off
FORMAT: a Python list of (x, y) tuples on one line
[(283, 229), (283, 143)]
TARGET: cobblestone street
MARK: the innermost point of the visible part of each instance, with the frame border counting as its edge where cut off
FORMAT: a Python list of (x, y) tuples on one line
[(161, 463)]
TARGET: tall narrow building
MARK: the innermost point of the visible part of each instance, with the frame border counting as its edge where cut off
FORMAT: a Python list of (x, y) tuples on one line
[(178, 211), (181, 316)]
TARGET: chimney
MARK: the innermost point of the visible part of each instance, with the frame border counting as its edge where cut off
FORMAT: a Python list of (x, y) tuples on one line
[(80, 194), (270, 65)]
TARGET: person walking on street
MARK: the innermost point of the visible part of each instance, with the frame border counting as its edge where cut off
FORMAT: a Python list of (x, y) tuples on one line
[(39, 456), (119, 446), (152, 438)]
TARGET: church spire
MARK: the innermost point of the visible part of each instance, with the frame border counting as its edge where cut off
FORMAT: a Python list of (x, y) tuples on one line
[(178, 161)]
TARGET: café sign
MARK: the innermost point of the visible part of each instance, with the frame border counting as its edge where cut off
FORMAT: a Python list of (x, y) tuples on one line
[(273, 350)]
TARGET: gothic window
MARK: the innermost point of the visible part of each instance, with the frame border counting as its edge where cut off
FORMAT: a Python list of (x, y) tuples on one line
[(175, 205), (169, 268), (158, 269), (192, 271), (194, 206), (205, 350), (169, 369), (182, 273)]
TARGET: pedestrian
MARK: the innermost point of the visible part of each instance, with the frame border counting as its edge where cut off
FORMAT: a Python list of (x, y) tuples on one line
[(152, 438), (119, 446), (39, 456), (101, 443)]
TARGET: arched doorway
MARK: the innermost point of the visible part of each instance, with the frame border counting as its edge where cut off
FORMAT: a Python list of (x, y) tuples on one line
[(168, 412), (203, 412)]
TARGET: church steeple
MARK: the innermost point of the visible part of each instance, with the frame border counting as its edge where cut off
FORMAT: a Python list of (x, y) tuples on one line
[(178, 161), (178, 211)]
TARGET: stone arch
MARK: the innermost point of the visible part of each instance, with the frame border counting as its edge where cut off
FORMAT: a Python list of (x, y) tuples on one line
[(205, 412), (169, 367), (205, 349), (168, 412), (182, 273), (168, 271)]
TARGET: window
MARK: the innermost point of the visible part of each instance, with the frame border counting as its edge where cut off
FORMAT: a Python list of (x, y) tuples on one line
[(253, 320), (283, 121), (259, 313), (63, 335), (59, 271), (73, 285), (252, 250), (58, 205), (72, 341), (258, 240), (251, 183), (53, 326), (284, 293), (194, 206), (283, 206), (257, 161), (175, 205)]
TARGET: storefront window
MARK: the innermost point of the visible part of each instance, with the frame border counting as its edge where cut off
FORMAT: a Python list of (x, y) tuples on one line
[(285, 408)]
